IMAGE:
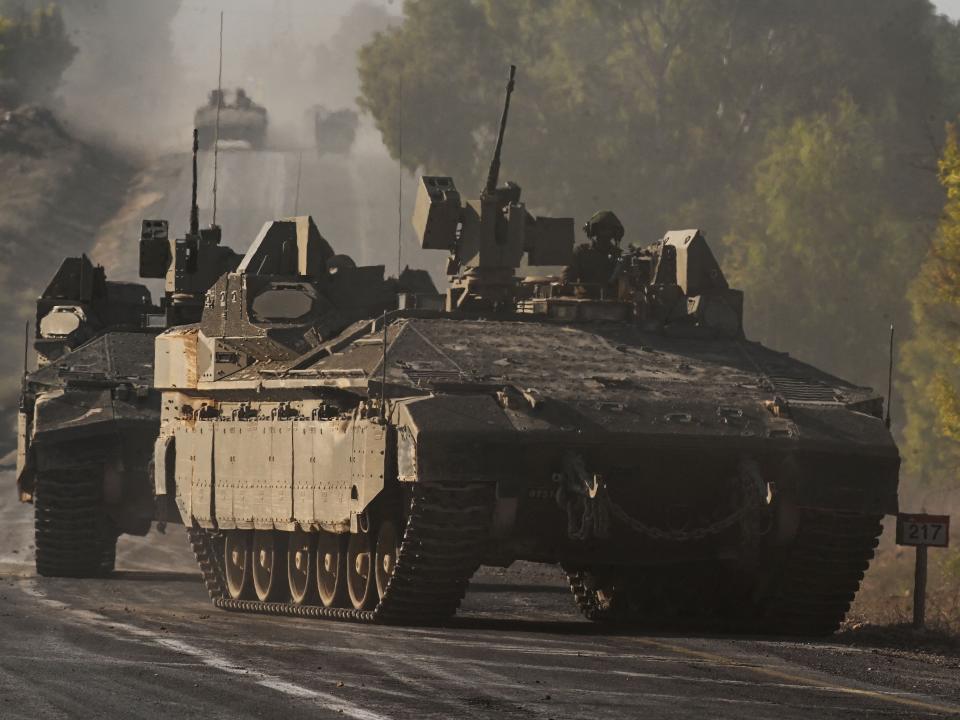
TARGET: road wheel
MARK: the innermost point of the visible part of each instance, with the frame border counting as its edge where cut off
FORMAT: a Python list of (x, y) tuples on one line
[(74, 535), (360, 571), (268, 555), (300, 567), (600, 596), (331, 566), (388, 550), (236, 563)]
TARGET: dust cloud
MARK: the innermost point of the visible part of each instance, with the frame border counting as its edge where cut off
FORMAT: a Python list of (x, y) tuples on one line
[(141, 70), (144, 66)]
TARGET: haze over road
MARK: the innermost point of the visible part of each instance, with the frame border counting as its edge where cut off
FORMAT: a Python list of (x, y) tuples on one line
[(147, 643)]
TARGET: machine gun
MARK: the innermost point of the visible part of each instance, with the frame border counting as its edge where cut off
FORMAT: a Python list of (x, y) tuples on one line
[(487, 238), (677, 282), (674, 282), (190, 265)]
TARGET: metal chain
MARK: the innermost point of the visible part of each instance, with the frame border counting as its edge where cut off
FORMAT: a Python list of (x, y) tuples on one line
[(590, 507)]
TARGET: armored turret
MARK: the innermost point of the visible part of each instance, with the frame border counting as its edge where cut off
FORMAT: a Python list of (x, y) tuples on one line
[(487, 238), (673, 283), (189, 265)]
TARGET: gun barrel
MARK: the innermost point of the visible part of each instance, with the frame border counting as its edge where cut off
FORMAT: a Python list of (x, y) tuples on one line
[(494, 173)]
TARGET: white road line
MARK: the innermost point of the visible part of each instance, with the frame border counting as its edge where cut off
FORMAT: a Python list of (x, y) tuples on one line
[(390, 668), (601, 697), (209, 658), (437, 661), (432, 665), (540, 648)]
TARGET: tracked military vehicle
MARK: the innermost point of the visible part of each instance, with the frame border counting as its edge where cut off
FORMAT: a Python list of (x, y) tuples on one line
[(86, 419), (341, 449), (236, 120), (89, 415), (334, 131)]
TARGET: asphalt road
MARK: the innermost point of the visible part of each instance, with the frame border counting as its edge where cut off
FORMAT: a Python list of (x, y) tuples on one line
[(148, 644)]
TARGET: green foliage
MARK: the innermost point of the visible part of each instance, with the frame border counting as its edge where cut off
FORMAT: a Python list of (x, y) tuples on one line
[(34, 52), (658, 107), (932, 357), (803, 134), (820, 251)]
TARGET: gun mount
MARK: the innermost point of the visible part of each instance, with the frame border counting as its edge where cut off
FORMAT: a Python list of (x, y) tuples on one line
[(675, 282), (487, 238), (189, 265)]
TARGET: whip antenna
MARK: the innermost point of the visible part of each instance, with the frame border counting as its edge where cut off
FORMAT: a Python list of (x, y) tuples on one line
[(194, 208), (26, 351), (400, 180), (383, 370), (886, 420), (296, 197), (216, 131)]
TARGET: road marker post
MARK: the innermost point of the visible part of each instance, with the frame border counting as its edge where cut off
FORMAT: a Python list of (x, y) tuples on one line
[(922, 531)]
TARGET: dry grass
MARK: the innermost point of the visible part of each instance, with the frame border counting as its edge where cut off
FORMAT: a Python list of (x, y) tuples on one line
[(886, 596)]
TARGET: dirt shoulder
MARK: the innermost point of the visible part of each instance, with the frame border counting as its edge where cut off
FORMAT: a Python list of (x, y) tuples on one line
[(55, 193)]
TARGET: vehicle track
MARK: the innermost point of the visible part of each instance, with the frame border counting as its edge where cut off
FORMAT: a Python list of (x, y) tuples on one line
[(805, 590), (442, 547)]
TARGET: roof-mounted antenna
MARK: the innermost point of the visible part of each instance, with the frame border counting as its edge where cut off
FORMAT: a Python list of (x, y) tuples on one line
[(194, 208), (400, 178), (886, 420), (296, 197), (26, 355), (494, 175), (216, 132)]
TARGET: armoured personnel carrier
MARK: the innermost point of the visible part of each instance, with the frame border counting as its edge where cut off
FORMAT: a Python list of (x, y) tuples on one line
[(334, 131), (89, 415), (338, 449), (240, 120)]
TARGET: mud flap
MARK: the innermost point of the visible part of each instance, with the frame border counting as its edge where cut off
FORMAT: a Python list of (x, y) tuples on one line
[(163, 450), (26, 478)]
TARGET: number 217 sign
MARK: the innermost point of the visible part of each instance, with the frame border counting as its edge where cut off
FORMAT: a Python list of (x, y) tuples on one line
[(930, 530)]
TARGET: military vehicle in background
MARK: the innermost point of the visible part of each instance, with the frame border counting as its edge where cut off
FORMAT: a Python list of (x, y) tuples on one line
[(339, 448), (86, 418), (240, 120), (89, 415), (333, 130)]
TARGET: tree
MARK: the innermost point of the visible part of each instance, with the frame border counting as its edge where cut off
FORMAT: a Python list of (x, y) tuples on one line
[(931, 359), (34, 52), (658, 108), (819, 249), (762, 122)]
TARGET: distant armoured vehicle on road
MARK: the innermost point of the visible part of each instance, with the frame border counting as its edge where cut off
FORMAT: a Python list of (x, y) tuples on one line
[(333, 130), (231, 120), (340, 448), (89, 415)]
